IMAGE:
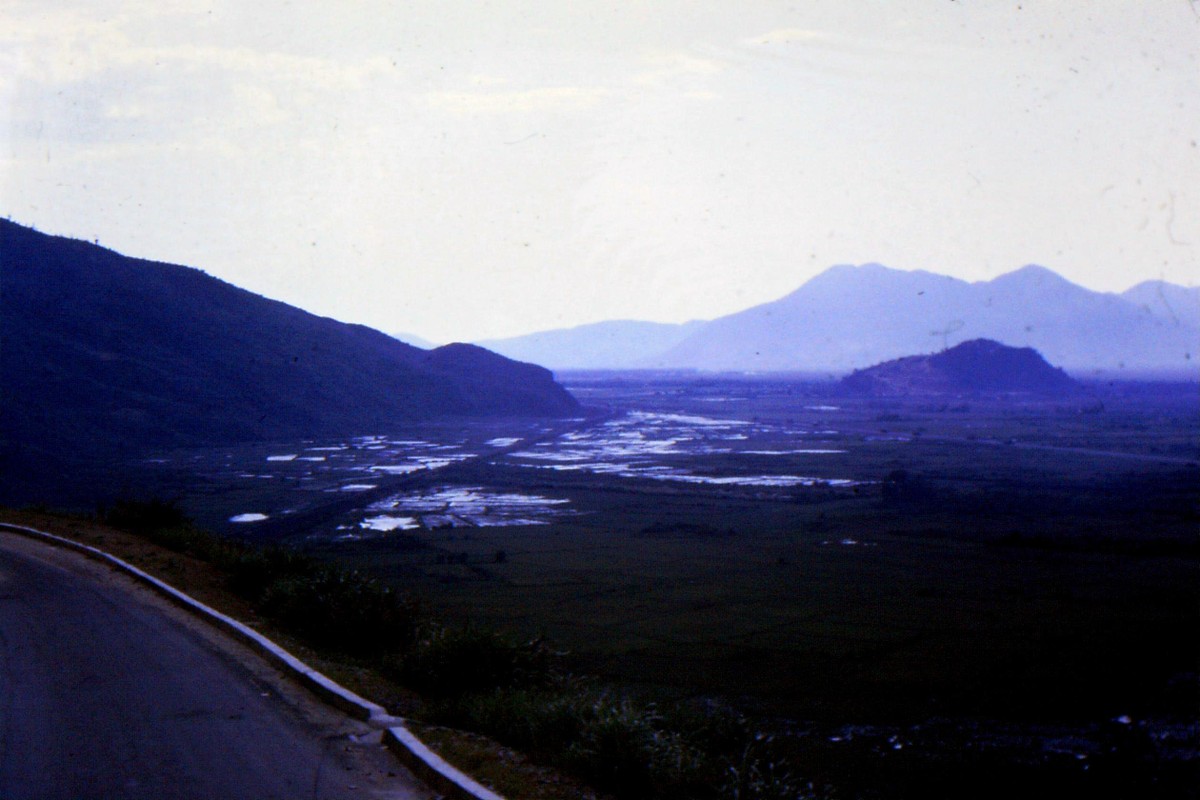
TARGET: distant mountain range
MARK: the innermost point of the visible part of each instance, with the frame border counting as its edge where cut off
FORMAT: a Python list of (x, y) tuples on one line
[(601, 345), (104, 356), (850, 317), (1174, 305), (977, 366)]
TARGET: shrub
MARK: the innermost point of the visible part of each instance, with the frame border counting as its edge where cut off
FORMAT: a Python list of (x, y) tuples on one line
[(250, 572), (754, 774), (164, 523), (631, 749), (710, 725), (452, 662), (143, 517), (622, 749), (343, 610), (539, 721)]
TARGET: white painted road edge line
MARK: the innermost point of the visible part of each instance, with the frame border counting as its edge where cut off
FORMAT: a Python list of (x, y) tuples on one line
[(429, 766)]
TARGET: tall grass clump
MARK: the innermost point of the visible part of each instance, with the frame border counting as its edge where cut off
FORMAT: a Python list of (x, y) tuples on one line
[(343, 610)]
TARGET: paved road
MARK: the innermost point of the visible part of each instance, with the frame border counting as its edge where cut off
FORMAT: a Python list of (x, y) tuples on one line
[(106, 692)]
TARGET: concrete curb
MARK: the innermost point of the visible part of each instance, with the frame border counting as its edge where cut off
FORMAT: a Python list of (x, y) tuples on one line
[(431, 768), (426, 764)]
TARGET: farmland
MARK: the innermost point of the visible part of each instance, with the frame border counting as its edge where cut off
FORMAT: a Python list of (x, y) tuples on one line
[(998, 575)]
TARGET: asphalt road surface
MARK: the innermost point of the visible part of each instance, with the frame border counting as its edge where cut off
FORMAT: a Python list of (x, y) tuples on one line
[(106, 691)]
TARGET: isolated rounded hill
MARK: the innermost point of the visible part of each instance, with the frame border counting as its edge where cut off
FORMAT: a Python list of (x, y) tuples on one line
[(978, 366)]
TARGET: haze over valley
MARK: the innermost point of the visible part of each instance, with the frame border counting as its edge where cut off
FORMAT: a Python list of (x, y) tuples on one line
[(641, 401)]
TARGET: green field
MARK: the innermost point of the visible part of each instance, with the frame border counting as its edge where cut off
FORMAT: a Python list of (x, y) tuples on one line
[(768, 602), (1011, 573)]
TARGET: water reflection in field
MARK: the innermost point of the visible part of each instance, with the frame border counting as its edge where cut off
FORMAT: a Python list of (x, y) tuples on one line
[(460, 507), (666, 447)]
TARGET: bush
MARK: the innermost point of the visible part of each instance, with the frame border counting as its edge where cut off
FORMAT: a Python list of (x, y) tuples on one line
[(164, 523), (623, 749), (698, 750), (538, 721), (250, 572), (710, 725), (342, 610), (451, 662), (143, 517), (754, 774)]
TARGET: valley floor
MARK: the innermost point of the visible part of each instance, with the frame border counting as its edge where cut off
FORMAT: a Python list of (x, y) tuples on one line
[(922, 593)]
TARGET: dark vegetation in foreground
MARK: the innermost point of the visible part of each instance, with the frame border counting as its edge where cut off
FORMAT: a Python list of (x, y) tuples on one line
[(519, 692)]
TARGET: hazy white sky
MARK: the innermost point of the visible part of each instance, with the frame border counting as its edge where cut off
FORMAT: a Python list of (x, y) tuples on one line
[(465, 170)]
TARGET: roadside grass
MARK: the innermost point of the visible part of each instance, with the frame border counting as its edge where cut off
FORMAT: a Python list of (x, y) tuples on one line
[(491, 697)]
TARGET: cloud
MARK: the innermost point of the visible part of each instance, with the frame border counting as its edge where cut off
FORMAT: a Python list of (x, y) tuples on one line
[(89, 79), (127, 111), (64, 46), (320, 73), (482, 79), (667, 67), (261, 106), (787, 36), (864, 45), (546, 98)]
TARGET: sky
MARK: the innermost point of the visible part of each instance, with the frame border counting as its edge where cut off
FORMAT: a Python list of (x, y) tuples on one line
[(469, 170)]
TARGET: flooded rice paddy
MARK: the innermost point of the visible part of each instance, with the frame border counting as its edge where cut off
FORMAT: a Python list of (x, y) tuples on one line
[(445, 507), (409, 482), (666, 447)]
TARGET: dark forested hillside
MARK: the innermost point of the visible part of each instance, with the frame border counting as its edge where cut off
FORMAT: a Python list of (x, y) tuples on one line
[(103, 356)]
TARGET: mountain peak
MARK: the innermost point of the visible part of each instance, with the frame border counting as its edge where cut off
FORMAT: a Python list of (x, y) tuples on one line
[(1034, 275), (1170, 303), (1036, 270), (869, 269), (852, 277)]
